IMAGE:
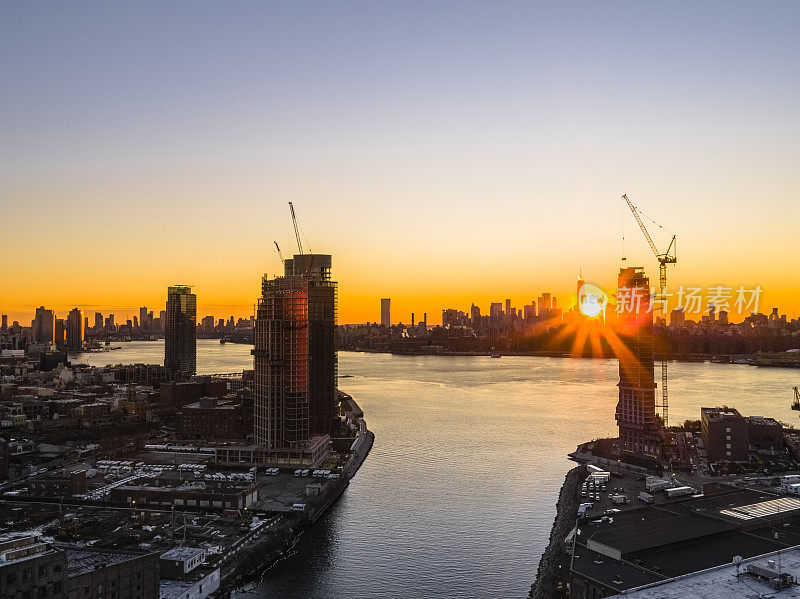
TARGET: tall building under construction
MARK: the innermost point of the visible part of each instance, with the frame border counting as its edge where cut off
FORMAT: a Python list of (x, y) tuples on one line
[(295, 362), (640, 429)]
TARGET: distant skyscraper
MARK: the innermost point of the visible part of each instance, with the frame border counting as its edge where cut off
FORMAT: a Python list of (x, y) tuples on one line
[(508, 306), (180, 334), (386, 312), (75, 330), (4, 326), (295, 359), (98, 322), (677, 317), (495, 310), (60, 333), (530, 313), (475, 316), (43, 326), (640, 430), (143, 319)]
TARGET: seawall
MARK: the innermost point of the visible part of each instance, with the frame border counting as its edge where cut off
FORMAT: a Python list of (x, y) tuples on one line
[(257, 557), (547, 575)]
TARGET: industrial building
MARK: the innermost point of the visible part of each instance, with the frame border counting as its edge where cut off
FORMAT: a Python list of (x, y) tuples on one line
[(774, 575), (640, 430), (729, 436), (31, 568), (58, 484), (655, 543), (212, 418), (169, 491)]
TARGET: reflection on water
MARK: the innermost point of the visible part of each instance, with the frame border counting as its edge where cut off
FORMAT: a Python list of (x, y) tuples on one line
[(458, 494)]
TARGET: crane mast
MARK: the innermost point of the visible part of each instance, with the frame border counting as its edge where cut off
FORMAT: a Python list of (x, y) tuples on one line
[(664, 258), (296, 229)]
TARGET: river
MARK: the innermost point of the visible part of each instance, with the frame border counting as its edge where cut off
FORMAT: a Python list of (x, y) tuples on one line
[(458, 495)]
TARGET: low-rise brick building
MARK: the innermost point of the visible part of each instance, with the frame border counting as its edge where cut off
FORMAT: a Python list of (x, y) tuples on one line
[(212, 418)]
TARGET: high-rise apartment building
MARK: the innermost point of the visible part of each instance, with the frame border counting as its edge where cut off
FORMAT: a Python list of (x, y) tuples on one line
[(386, 312), (98, 322), (60, 333), (75, 330), (4, 325), (295, 360), (143, 320), (475, 316), (640, 429), (180, 334), (43, 326)]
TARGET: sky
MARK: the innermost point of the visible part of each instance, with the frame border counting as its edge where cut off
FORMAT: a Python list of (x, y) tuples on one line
[(444, 153)]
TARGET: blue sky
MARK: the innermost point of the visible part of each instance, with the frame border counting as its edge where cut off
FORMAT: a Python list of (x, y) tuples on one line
[(437, 149)]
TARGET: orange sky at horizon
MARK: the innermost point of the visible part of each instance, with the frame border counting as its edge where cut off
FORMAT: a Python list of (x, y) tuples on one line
[(362, 304)]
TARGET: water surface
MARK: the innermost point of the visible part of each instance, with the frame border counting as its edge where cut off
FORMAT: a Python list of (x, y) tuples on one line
[(458, 495)]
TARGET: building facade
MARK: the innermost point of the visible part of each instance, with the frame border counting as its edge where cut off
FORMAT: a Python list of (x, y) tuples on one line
[(43, 326), (180, 334), (215, 419), (640, 429), (386, 312), (295, 357), (75, 330)]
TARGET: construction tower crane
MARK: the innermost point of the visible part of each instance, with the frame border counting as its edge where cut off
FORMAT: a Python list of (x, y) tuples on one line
[(280, 254), (296, 229), (664, 258)]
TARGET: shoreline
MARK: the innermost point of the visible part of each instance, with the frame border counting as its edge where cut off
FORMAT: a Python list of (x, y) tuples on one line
[(553, 561), (260, 557), (699, 358)]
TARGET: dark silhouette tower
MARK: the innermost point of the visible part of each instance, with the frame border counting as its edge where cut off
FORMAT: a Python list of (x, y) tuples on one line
[(640, 429), (180, 334)]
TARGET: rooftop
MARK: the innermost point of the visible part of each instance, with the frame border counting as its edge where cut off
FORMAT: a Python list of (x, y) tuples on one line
[(80, 561), (182, 553), (722, 413), (722, 582)]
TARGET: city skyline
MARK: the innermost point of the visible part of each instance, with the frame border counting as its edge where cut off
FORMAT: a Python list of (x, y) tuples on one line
[(400, 151), (373, 310)]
